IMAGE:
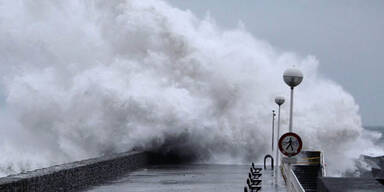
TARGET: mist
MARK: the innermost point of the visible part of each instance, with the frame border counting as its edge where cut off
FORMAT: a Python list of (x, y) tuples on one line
[(86, 78)]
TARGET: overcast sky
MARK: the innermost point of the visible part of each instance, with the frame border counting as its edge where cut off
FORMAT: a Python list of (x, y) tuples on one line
[(346, 36)]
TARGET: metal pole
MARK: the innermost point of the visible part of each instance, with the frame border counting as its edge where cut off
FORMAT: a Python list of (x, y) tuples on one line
[(277, 151), (273, 128), (291, 111), (278, 135)]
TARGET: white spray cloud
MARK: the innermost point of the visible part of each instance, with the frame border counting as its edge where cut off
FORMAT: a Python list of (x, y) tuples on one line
[(85, 78)]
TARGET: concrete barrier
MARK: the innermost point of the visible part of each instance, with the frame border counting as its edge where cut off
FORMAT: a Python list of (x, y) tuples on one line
[(75, 176)]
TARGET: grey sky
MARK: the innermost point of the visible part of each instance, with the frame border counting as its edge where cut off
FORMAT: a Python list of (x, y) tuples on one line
[(346, 36)]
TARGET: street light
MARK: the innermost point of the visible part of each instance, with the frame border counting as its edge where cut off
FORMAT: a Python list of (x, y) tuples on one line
[(279, 101), (292, 77), (273, 127)]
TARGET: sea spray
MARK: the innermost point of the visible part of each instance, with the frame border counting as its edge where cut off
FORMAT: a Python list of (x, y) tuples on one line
[(87, 78)]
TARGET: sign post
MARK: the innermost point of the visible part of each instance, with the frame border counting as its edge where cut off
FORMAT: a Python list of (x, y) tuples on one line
[(290, 144)]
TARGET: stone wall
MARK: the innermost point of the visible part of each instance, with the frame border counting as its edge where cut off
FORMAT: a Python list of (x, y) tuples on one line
[(75, 176)]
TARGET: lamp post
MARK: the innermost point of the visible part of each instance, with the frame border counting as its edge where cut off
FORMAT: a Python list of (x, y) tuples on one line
[(273, 127), (292, 77), (279, 101)]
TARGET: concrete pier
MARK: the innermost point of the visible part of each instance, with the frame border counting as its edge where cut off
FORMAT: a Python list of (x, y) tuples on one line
[(188, 178), (75, 176)]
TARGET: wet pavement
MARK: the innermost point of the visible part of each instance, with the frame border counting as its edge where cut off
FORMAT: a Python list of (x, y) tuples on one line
[(185, 178)]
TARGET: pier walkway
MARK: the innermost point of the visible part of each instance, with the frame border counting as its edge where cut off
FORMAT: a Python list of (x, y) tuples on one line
[(188, 178)]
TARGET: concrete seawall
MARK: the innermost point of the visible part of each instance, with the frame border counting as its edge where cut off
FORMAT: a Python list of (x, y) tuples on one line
[(75, 176)]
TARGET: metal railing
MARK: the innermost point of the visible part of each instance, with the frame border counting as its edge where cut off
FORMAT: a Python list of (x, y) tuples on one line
[(307, 158), (265, 161), (322, 164), (292, 182)]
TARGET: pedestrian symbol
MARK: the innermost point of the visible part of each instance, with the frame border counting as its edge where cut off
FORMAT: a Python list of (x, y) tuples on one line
[(290, 144)]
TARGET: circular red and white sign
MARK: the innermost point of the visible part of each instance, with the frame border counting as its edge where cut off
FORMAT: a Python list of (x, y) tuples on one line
[(290, 144)]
